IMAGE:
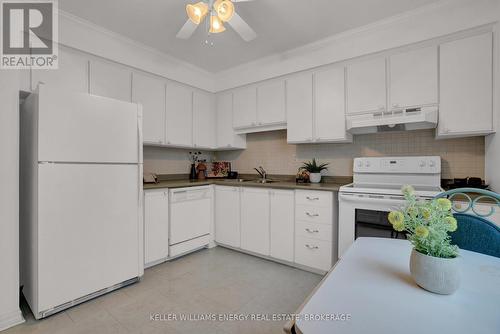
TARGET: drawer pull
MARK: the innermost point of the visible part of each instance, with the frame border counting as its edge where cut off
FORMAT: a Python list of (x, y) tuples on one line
[(312, 214), (312, 198), (311, 231), (311, 247)]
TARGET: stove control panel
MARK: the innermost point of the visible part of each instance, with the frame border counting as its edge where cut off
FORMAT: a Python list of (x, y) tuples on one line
[(398, 165)]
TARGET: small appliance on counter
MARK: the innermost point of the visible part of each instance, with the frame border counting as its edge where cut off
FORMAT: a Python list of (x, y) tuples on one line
[(467, 182)]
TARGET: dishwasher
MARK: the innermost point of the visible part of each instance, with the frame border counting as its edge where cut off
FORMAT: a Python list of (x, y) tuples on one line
[(190, 219)]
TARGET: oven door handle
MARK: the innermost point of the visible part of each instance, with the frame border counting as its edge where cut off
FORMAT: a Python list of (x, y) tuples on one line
[(371, 199)]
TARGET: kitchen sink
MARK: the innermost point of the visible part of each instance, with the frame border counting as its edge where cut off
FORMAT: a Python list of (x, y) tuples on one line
[(251, 180), (237, 180)]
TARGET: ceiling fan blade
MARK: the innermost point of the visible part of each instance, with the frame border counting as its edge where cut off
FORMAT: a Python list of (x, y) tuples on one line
[(187, 30), (242, 28)]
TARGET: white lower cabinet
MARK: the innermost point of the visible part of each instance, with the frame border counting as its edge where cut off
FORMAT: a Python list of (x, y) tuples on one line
[(227, 216), (155, 226), (255, 220), (313, 253), (314, 229), (282, 219)]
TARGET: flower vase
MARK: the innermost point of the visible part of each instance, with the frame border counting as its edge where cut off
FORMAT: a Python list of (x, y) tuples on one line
[(435, 274), (192, 173)]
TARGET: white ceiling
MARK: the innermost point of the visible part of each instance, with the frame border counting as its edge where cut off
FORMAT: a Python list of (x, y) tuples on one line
[(281, 25)]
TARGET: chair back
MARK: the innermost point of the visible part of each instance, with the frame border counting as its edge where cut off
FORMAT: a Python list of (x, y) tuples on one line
[(475, 232)]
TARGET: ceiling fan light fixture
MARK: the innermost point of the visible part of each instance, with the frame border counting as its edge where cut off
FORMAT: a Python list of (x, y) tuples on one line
[(224, 9), (197, 12), (216, 25)]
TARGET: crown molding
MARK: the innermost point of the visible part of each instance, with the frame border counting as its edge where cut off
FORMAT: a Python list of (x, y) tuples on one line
[(171, 64)]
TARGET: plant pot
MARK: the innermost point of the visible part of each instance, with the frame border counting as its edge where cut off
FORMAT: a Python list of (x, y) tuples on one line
[(435, 274), (315, 177)]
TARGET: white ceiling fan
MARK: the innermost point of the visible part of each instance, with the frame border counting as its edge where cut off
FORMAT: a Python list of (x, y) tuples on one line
[(218, 12)]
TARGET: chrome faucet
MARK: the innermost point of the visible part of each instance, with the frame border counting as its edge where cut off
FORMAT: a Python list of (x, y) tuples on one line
[(262, 172)]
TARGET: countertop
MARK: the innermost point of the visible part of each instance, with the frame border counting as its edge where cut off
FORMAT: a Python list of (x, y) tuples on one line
[(327, 186)]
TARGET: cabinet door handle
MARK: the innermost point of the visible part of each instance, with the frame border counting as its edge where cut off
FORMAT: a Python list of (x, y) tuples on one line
[(312, 214), (311, 231), (311, 247), (312, 198)]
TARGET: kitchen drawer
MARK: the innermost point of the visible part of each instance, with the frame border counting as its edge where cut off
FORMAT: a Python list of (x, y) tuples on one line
[(313, 230), (313, 253), (316, 198), (314, 214)]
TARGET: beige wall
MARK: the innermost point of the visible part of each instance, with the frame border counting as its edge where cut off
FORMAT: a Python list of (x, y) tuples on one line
[(460, 157)]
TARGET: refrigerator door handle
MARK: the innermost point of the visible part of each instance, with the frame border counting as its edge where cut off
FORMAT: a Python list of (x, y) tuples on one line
[(139, 133), (139, 152)]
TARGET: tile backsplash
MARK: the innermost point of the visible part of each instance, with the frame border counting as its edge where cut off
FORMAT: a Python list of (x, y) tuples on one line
[(461, 157), (161, 160)]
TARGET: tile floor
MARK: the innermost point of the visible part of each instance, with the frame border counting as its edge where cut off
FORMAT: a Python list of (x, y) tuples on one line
[(211, 281)]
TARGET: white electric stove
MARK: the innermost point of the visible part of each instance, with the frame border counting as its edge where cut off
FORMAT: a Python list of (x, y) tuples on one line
[(376, 190)]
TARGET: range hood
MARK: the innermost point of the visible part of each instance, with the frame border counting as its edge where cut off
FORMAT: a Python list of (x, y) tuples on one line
[(396, 120)]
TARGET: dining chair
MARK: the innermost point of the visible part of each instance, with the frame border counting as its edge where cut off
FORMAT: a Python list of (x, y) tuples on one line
[(475, 232)]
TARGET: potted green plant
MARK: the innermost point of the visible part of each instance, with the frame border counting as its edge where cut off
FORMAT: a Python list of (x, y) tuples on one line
[(314, 170), (434, 261)]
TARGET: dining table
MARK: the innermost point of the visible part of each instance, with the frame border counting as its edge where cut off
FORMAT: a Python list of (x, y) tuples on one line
[(371, 290)]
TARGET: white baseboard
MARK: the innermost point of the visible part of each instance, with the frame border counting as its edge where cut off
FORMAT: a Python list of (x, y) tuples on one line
[(11, 319)]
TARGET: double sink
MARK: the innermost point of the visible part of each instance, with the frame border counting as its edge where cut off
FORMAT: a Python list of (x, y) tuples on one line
[(263, 177)]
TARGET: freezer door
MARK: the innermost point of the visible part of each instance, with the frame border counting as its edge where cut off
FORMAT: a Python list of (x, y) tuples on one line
[(89, 229), (79, 127)]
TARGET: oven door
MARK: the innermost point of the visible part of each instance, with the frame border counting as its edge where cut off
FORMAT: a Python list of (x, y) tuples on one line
[(362, 215)]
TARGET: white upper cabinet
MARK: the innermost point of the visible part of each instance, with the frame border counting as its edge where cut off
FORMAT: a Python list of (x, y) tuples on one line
[(150, 92), (366, 86), (282, 220), (466, 87), (227, 215), (72, 74), (204, 119), (329, 106), (245, 107), (226, 138), (413, 78), (255, 220), (179, 115), (110, 80), (299, 101), (271, 103)]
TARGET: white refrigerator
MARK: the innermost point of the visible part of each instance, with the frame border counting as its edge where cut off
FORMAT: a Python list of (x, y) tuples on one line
[(81, 224)]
